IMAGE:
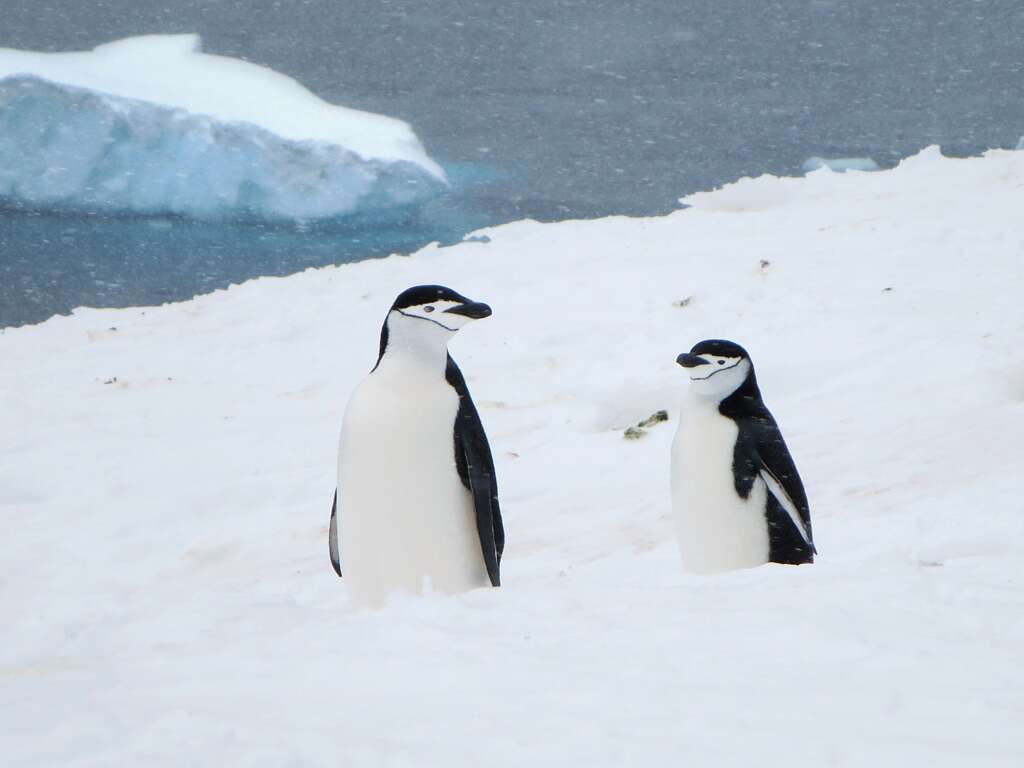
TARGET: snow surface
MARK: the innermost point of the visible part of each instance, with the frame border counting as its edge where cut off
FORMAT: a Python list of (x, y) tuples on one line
[(152, 125), (167, 477)]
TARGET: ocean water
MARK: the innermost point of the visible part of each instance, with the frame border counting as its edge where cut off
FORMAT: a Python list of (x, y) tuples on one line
[(547, 109), (51, 262)]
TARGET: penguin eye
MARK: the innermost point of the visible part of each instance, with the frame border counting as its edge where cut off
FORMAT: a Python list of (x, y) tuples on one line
[(428, 309), (721, 362)]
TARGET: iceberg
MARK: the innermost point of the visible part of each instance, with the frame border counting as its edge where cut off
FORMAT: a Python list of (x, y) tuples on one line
[(151, 125)]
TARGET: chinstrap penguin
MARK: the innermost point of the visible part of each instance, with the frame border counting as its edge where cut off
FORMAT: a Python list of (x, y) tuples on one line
[(417, 498), (737, 499)]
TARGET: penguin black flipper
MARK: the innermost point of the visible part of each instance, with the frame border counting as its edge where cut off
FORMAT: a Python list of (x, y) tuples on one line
[(333, 536), (761, 452), (476, 469)]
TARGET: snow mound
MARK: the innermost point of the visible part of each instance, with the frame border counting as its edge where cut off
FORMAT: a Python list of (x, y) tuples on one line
[(840, 164), (152, 125), (167, 473), (767, 191)]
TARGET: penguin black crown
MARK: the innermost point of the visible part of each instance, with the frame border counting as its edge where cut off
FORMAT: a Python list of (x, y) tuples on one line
[(737, 496), (417, 500)]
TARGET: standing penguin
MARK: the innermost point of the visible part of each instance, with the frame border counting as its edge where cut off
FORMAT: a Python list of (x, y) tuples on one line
[(417, 499), (736, 496)]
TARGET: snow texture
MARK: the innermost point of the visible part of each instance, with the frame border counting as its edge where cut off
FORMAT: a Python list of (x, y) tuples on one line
[(151, 125), (840, 164), (167, 473)]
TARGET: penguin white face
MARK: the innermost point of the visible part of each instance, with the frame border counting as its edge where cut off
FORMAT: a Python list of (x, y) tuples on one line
[(716, 368)]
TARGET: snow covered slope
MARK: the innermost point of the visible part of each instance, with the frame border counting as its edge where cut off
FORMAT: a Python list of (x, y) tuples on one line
[(152, 125), (166, 477)]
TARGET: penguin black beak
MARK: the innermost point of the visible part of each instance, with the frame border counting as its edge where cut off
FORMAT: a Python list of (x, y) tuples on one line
[(690, 361), (473, 309)]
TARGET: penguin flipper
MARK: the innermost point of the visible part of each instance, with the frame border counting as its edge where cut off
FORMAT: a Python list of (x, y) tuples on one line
[(776, 490), (761, 455), (475, 465), (333, 536), (773, 463), (488, 519)]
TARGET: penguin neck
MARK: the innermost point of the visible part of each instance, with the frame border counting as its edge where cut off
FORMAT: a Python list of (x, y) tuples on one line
[(408, 345), (745, 400), (696, 402)]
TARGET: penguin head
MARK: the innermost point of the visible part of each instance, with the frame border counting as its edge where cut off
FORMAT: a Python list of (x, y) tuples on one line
[(430, 307), (426, 316), (716, 368)]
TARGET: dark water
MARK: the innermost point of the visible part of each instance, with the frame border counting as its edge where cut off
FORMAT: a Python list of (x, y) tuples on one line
[(52, 262), (544, 108)]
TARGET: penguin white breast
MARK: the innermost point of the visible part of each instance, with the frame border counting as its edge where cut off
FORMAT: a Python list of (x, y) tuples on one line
[(717, 529), (405, 519)]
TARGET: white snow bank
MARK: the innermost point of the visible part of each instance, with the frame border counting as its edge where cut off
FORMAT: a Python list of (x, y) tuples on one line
[(766, 191), (166, 476), (152, 125), (840, 164)]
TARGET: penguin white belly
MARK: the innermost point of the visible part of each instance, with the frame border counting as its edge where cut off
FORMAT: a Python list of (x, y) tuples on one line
[(405, 520), (717, 530)]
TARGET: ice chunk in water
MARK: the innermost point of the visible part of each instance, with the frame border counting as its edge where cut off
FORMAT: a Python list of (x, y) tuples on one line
[(840, 164)]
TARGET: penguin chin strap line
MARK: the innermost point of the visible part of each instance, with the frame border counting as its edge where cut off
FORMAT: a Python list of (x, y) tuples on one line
[(428, 319), (717, 370)]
